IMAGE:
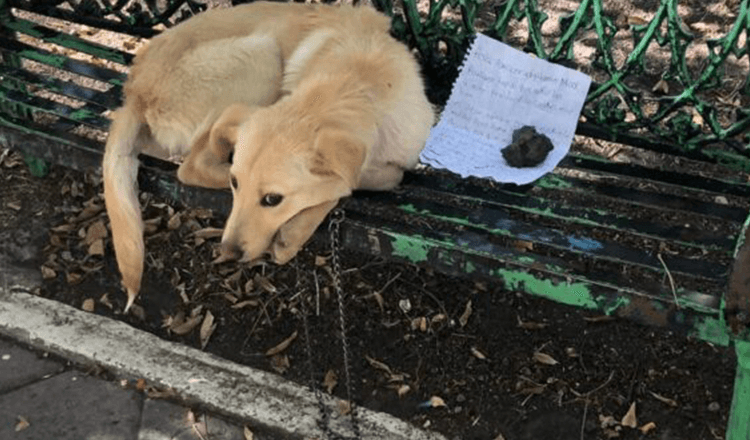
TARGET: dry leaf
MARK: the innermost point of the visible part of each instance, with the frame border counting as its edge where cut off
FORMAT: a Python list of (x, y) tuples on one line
[(96, 231), (419, 323), (661, 86), (440, 317), (600, 318), (48, 273), (464, 319), (344, 407), (207, 329), (330, 381), (500, 437), (248, 433), (280, 363), (22, 423), (478, 354), (14, 206), (73, 278), (544, 358), (246, 303), (138, 312), (185, 326), (105, 301), (208, 233), (636, 21), (404, 305), (629, 419), (140, 384), (320, 260), (96, 248), (663, 399), (529, 325), (88, 305), (266, 285), (151, 225), (283, 345), (523, 245), (89, 211), (379, 365), (174, 222), (403, 390), (436, 402), (648, 427)]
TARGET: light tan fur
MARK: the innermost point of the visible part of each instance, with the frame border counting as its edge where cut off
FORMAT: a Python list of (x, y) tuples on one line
[(313, 102)]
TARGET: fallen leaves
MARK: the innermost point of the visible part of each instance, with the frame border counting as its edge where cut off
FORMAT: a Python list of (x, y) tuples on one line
[(629, 419), (207, 329), (22, 423), (330, 381), (544, 358), (283, 345), (464, 318)]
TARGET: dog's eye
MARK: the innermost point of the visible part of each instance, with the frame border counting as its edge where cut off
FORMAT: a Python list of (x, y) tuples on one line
[(271, 199), (233, 182)]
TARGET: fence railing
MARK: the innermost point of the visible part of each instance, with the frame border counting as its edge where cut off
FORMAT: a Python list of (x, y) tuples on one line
[(672, 77)]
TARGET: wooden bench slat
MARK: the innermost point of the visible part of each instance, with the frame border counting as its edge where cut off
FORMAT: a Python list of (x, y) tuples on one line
[(101, 101), (498, 223), (683, 180), (62, 62), (76, 115), (643, 198), (95, 22), (468, 253), (69, 41), (581, 215)]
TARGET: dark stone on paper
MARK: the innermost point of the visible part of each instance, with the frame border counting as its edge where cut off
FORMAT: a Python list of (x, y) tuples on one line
[(528, 148)]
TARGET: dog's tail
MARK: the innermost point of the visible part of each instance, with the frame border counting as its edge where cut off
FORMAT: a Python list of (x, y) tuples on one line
[(120, 171)]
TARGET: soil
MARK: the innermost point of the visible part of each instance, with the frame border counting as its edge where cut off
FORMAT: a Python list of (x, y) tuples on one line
[(459, 356)]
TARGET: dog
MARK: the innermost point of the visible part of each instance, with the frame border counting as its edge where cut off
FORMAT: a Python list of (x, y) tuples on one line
[(292, 106)]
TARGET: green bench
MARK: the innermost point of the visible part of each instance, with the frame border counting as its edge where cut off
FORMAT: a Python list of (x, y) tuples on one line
[(661, 238)]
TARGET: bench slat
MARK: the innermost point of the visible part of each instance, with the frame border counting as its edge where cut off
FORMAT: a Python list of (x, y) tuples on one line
[(62, 62), (584, 216), (100, 100), (77, 115), (498, 223), (643, 198), (71, 42), (683, 180), (95, 22)]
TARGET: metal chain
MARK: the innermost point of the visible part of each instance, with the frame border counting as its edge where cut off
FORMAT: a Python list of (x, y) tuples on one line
[(334, 227), (337, 216)]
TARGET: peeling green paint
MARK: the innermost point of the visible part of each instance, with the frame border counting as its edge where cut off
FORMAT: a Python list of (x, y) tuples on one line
[(711, 329), (573, 294), (414, 249), (66, 40), (50, 60), (621, 301), (553, 181), (738, 427)]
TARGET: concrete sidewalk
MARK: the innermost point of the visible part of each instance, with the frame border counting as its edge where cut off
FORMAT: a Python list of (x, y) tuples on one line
[(42, 398)]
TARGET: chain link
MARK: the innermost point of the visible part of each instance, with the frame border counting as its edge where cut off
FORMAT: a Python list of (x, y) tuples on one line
[(334, 228)]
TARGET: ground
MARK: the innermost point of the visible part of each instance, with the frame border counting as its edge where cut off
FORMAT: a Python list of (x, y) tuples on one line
[(460, 356)]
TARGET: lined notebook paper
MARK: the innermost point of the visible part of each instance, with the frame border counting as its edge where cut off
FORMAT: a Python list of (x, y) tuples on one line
[(500, 89)]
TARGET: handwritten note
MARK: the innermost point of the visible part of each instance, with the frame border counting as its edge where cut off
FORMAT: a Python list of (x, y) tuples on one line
[(499, 90)]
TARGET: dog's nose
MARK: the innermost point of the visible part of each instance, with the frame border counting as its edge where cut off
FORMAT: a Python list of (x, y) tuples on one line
[(231, 251)]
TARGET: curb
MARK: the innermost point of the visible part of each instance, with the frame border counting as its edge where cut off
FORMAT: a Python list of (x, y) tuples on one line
[(223, 387)]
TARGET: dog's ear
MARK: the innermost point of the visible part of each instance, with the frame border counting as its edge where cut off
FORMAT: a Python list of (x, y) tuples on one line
[(338, 154), (293, 234), (208, 162)]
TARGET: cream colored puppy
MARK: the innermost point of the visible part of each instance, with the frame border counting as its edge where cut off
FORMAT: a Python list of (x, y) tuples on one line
[(312, 100)]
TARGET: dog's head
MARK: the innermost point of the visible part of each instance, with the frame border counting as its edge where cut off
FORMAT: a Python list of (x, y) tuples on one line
[(285, 176)]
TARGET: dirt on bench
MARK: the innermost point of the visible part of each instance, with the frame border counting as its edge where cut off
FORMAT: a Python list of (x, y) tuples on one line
[(462, 357)]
